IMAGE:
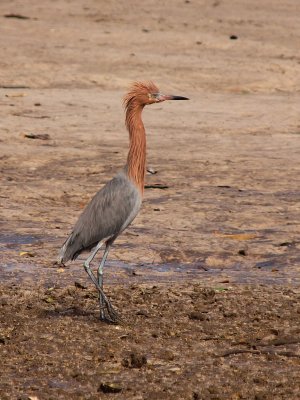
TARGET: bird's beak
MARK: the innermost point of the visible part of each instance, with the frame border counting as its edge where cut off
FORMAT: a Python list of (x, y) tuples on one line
[(163, 97)]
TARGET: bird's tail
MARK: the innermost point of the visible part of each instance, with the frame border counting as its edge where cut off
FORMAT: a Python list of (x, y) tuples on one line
[(65, 254)]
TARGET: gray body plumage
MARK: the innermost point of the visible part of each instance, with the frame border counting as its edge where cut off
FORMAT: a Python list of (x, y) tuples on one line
[(109, 212)]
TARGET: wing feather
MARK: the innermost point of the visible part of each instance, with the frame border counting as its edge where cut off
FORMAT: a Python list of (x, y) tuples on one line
[(107, 214)]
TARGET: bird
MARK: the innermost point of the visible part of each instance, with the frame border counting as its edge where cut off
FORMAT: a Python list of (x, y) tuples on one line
[(118, 202)]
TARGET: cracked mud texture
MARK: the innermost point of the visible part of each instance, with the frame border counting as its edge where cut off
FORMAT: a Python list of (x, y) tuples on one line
[(207, 277)]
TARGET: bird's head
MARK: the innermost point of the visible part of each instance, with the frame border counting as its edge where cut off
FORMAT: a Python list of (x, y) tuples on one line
[(144, 93)]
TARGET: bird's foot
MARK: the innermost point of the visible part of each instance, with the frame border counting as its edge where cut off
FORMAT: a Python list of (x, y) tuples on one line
[(108, 313)]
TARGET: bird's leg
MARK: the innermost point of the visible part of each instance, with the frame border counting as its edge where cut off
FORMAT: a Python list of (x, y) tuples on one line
[(90, 259), (112, 315), (100, 280)]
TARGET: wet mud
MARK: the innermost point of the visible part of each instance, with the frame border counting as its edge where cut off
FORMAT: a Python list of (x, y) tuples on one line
[(181, 341)]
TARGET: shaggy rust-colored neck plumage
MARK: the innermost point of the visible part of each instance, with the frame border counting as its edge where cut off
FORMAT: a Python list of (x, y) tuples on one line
[(134, 103), (136, 159)]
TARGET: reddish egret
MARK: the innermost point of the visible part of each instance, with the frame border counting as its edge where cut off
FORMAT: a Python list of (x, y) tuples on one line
[(115, 206)]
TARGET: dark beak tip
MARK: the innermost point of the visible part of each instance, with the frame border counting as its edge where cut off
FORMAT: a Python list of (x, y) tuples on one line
[(180, 98)]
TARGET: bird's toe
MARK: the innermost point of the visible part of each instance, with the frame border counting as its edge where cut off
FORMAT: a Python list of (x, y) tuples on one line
[(108, 314)]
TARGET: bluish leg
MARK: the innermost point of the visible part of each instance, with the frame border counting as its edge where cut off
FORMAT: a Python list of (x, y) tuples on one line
[(100, 281), (89, 260), (112, 315)]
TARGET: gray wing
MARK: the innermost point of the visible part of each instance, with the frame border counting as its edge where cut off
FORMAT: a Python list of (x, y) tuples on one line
[(108, 213)]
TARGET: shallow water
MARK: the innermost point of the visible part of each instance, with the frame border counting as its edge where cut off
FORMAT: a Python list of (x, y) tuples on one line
[(121, 273), (9, 240), (272, 271)]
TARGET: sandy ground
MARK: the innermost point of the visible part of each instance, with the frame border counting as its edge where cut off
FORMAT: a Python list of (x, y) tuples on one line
[(207, 277)]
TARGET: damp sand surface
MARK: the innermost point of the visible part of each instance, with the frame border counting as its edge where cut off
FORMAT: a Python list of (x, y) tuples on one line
[(206, 279)]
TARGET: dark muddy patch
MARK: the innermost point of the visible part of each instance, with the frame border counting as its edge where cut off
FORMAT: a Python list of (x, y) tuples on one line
[(12, 240), (179, 341)]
